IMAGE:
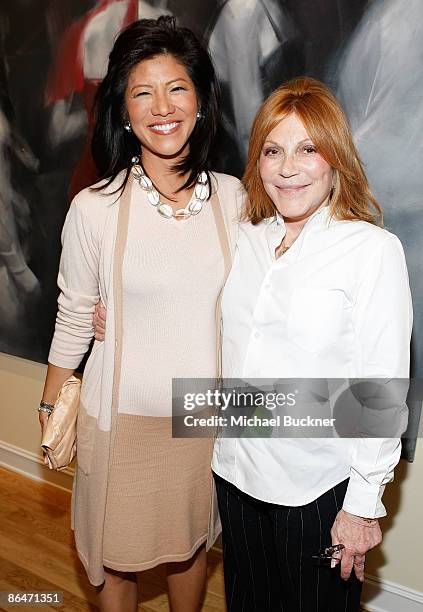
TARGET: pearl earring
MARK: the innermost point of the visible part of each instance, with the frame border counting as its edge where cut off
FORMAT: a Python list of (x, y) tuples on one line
[(199, 114), (127, 126)]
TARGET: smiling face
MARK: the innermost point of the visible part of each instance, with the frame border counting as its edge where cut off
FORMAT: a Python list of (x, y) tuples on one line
[(297, 179), (162, 106)]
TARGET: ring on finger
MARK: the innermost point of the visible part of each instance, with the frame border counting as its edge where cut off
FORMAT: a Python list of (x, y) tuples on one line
[(359, 563)]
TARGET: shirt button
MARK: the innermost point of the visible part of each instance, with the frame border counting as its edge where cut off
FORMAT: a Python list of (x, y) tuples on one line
[(267, 286), (256, 335)]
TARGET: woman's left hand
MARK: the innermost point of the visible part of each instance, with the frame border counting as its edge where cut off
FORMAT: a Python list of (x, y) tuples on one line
[(358, 536), (99, 321)]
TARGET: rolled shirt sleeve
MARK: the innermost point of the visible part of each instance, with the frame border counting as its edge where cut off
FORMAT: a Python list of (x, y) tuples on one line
[(78, 281), (382, 324)]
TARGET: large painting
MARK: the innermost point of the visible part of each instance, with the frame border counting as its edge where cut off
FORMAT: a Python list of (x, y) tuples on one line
[(53, 55)]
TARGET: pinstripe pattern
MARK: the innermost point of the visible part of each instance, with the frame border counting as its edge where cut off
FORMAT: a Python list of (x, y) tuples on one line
[(224, 541), (320, 548), (264, 556), (300, 568), (346, 601), (268, 553), (248, 555), (286, 546), (336, 501), (275, 537)]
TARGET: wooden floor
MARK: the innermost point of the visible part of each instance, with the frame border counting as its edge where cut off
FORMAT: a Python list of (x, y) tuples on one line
[(37, 553)]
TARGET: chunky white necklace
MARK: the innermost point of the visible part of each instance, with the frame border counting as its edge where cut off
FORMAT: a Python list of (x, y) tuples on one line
[(201, 193)]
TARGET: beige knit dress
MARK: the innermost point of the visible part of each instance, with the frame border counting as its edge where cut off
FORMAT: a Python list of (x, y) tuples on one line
[(141, 497)]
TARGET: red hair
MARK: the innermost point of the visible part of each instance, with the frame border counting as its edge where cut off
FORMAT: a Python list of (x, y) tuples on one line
[(328, 128)]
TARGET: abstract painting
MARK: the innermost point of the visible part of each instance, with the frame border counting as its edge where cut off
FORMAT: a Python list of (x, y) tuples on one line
[(54, 54)]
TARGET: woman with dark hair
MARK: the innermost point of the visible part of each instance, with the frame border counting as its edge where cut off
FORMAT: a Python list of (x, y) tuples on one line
[(152, 241)]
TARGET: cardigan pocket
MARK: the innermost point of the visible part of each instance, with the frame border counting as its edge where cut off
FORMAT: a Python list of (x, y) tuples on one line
[(85, 432)]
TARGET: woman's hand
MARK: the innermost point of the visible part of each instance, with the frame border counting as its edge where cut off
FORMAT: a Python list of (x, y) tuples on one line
[(358, 536), (43, 418), (55, 378), (99, 321)]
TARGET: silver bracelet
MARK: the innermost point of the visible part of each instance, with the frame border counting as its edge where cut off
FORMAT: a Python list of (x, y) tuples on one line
[(45, 407)]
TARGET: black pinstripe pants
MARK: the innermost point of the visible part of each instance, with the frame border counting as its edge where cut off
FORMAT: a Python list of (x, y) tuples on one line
[(268, 550)]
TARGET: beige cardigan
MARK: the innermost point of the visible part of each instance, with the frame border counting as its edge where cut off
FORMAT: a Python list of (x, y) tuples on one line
[(94, 238)]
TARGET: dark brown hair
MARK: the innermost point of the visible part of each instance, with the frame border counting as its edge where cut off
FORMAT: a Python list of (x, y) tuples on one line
[(112, 146)]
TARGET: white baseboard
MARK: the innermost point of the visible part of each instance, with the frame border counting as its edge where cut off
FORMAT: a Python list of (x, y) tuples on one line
[(385, 596), (31, 465)]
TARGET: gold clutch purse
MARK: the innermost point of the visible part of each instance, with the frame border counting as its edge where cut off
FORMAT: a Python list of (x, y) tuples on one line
[(59, 438)]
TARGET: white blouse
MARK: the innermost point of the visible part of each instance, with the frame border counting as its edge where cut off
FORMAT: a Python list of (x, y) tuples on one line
[(336, 305)]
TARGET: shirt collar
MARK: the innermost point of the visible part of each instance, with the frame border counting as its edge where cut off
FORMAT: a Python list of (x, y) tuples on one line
[(323, 213), (276, 228)]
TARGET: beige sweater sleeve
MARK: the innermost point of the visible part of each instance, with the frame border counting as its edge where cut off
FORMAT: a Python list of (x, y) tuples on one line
[(78, 281)]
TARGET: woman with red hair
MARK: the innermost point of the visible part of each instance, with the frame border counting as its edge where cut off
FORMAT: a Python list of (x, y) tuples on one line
[(317, 290)]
